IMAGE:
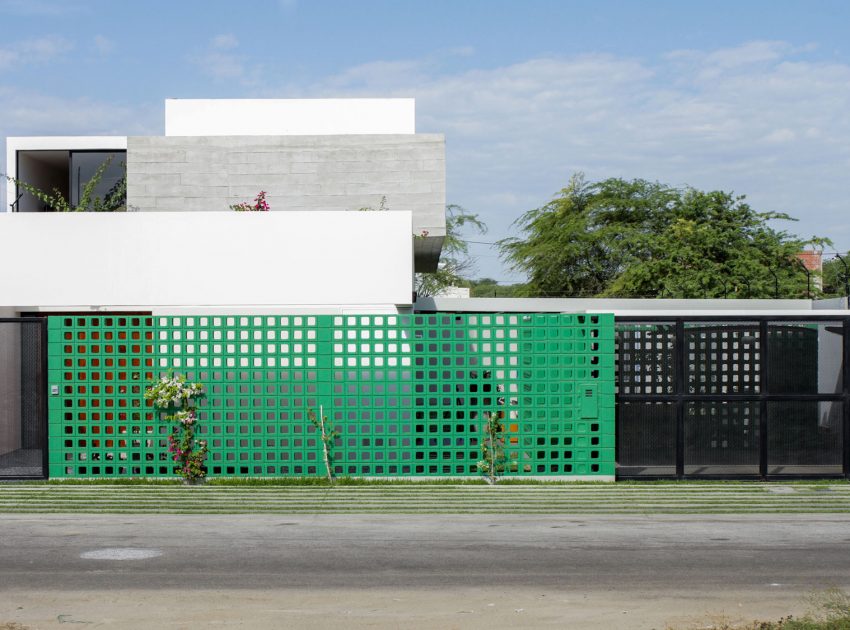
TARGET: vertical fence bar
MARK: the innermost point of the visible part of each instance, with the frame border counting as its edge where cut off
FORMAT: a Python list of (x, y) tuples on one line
[(679, 386), (763, 391), (846, 392), (44, 393)]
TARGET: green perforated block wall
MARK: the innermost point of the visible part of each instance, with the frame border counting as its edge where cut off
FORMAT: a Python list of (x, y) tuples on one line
[(407, 393)]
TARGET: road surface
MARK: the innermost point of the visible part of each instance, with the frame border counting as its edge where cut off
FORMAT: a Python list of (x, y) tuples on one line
[(414, 571)]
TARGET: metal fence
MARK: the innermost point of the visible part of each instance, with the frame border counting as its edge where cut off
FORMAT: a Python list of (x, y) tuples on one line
[(722, 397)]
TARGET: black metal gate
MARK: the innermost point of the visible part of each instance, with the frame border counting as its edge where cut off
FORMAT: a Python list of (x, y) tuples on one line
[(23, 398), (726, 397)]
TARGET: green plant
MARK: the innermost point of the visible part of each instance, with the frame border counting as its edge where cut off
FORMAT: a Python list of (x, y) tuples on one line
[(175, 396), (382, 206), (493, 447), (455, 263), (829, 610), (115, 199), (831, 604), (327, 436)]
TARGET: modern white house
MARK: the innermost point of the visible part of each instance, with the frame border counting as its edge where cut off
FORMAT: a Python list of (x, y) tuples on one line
[(357, 203), (312, 304)]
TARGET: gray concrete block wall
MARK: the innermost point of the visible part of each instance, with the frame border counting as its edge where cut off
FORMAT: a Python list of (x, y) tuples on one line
[(180, 173), (188, 173)]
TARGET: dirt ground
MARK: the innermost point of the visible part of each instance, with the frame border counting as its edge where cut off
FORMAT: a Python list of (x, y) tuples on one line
[(498, 607)]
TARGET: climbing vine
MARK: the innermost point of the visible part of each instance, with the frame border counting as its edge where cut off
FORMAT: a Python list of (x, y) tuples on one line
[(175, 397)]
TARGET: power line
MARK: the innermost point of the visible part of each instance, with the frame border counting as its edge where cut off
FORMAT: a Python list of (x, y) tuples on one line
[(824, 253)]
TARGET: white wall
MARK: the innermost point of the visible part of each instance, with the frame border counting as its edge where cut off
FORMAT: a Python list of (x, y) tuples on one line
[(197, 259), (53, 143), (289, 117), (830, 303), (623, 307)]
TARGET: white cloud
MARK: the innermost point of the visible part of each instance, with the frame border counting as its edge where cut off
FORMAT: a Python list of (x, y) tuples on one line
[(759, 119), (33, 51), (762, 118), (103, 45), (28, 113), (780, 136), (7, 58), (462, 51), (225, 41), (42, 8), (382, 75), (32, 113), (222, 61), (745, 54), (44, 48)]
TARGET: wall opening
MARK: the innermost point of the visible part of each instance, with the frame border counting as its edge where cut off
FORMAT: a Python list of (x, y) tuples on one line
[(65, 173), (23, 408)]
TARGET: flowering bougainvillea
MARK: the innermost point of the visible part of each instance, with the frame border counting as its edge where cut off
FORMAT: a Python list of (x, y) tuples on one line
[(175, 396), (172, 391), (260, 204)]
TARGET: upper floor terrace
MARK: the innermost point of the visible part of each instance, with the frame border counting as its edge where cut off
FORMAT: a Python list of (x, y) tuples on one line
[(306, 154)]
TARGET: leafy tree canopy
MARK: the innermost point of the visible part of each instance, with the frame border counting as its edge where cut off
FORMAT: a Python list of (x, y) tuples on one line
[(620, 238), (487, 287), (455, 263)]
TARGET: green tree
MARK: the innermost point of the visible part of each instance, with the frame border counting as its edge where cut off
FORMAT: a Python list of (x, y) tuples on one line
[(455, 263), (115, 200), (487, 287), (620, 238), (836, 276)]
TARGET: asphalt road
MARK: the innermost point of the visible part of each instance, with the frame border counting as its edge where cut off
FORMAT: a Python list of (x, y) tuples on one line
[(424, 552)]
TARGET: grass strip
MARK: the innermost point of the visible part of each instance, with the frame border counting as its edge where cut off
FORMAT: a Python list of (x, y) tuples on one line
[(414, 498), (313, 482)]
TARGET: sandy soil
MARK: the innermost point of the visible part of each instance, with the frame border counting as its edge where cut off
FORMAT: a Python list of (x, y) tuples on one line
[(501, 607)]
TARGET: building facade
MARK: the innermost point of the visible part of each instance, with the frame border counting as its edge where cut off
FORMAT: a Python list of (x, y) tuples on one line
[(311, 306)]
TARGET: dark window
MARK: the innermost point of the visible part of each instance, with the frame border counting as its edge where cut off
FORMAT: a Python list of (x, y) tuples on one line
[(805, 357), (84, 165)]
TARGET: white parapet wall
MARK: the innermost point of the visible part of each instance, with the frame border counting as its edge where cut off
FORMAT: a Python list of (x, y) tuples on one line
[(289, 117), (638, 307), (336, 260)]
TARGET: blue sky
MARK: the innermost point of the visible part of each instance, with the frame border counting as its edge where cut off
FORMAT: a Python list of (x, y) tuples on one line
[(746, 96)]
